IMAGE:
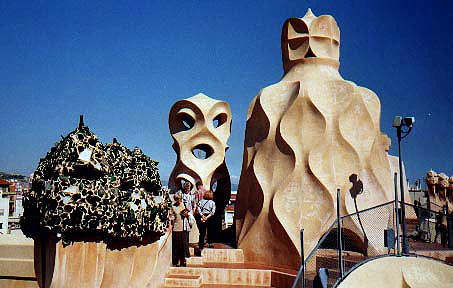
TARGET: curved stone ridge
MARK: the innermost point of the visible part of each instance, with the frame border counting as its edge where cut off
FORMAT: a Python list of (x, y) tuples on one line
[(305, 137), (85, 190)]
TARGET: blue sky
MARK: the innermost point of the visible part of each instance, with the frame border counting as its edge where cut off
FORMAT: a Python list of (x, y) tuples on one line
[(123, 65)]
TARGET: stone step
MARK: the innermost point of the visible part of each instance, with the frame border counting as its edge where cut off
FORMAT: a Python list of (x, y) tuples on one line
[(182, 281), (211, 255), (194, 261), (17, 267), (17, 251), (283, 279), (237, 266), (225, 275)]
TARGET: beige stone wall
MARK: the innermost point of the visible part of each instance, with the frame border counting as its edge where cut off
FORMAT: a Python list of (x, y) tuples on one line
[(93, 265)]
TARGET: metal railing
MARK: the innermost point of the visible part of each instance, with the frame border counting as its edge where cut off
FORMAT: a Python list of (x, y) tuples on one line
[(339, 256), (359, 237), (429, 231)]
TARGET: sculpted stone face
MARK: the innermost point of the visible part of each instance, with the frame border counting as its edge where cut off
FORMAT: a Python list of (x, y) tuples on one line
[(443, 185), (200, 127), (442, 180), (431, 178), (450, 190), (310, 37), (438, 184), (305, 136)]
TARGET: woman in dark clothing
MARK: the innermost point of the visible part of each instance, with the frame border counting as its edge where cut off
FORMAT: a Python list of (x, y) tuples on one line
[(206, 209)]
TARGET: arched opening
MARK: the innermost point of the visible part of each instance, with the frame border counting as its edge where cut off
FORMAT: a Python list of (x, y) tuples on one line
[(182, 122), (219, 120), (186, 121), (202, 151)]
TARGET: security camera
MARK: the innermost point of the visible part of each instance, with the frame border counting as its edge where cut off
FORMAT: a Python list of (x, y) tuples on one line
[(409, 121)]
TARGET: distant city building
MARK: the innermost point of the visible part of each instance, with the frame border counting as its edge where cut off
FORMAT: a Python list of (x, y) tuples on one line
[(5, 192), (11, 209), (229, 210)]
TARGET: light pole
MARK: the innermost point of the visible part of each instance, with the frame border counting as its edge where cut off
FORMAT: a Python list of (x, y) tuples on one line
[(399, 123)]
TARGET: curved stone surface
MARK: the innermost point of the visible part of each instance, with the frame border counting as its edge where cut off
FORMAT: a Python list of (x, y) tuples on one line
[(94, 265), (200, 127), (305, 137), (400, 272)]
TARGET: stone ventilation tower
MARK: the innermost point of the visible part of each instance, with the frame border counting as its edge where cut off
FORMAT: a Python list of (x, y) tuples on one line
[(305, 136), (200, 127)]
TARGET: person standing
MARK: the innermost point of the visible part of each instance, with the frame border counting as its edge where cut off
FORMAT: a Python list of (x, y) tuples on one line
[(443, 227), (206, 209), (199, 193), (187, 196), (181, 228)]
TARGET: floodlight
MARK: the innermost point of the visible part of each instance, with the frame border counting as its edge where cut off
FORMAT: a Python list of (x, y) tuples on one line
[(409, 121)]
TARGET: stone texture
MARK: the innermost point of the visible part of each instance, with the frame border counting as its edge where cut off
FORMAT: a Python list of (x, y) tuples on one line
[(305, 136), (188, 281), (400, 272), (232, 276), (94, 265), (18, 284), (226, 268), (222, 256)]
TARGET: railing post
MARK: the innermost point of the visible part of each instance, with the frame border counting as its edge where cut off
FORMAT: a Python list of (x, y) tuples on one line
[(302, 257), (339, 236), (398, 251), (404, 243)]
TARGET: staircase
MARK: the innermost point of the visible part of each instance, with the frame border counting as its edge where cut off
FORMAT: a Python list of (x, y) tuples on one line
[(226, 268)]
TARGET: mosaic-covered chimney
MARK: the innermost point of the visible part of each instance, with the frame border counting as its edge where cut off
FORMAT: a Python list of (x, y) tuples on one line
[(83, 189)]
